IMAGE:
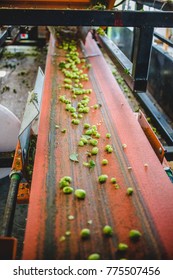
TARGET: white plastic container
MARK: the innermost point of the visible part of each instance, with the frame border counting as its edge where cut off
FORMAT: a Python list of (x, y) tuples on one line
[(9, 131)]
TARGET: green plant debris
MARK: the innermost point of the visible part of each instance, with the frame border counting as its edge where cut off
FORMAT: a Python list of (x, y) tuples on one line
[(84, 140), (71, 217), (65, 181), (90, 164), (74, 157), (129, 191), (94, 151), (67, 86), (99, 6), (89, 132), (63, 130), (86, 164), (68, 233), (87, 137), (97, 135), (85, 233), (117, 186), (31, 157), (107, 230), (102, 178), (62, 65), (33, 97), (62, 238), (100, 31), (124, 146), (113, 180), (74, 115), (85, 110), (81, 143), (4, 89), (93, 142), (94, 127), (22, 73), (68, 190), (122, 247), (108, 149), (134, 234), (75, 121), (96, 106), (108, 135), (94, 256), (80, 193), (68, 81), (104, 161), (127, 71)]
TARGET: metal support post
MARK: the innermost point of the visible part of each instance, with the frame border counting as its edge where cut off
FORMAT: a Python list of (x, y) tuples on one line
[(10, 204), (141, 57)]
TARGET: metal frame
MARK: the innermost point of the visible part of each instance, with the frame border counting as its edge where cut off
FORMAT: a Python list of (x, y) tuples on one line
[(163, 39), (123, 64), (5, 34), (160, 5), (38, 17), (157, 116), (143, 22)]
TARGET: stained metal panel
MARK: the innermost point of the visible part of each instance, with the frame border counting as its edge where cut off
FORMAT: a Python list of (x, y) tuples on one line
[(160, 83), (32, 110)]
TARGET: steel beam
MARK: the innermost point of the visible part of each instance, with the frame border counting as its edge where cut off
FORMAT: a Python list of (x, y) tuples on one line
[(136, 73), (163, 39), (164, 128), (123, 64), (169, 153), (141, 57), (39, 17)]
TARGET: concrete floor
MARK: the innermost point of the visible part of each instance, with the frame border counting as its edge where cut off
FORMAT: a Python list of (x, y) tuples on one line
[(18, 66)]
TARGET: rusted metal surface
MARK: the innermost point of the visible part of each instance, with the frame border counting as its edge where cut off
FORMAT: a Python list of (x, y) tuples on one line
[(154, 141), (133, 163), (23, 193), (17, 161)]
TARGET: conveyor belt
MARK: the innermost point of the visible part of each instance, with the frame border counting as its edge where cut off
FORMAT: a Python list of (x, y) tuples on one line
[(149, 209)]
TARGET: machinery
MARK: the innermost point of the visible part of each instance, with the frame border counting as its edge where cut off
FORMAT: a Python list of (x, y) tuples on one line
[(100, 182)]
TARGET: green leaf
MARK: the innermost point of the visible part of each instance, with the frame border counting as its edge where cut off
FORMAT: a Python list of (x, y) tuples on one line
[(62, 64), (74, 157)]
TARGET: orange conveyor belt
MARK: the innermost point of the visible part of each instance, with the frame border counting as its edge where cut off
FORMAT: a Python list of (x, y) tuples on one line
[(149, 209)]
